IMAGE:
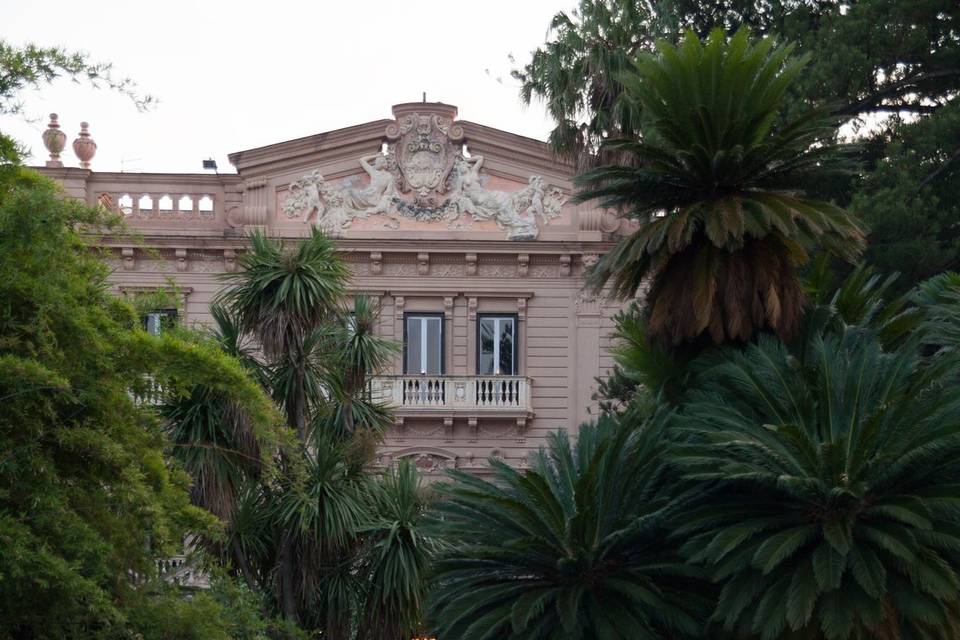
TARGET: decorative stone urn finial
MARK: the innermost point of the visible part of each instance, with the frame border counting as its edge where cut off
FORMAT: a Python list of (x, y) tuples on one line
[(84, 146), (54, 140)]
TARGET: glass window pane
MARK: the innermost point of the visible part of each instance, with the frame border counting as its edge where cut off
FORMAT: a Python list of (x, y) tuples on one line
[(424, 347), (152, 322), (434, 345), (413, 345), (486, 346), (497, 340), (506, 347)]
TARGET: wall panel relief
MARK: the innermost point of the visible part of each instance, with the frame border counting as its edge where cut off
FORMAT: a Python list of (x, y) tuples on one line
[(425, 176)]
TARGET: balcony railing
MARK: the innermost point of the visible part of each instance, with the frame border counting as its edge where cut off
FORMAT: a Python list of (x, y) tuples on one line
[(482, 393)]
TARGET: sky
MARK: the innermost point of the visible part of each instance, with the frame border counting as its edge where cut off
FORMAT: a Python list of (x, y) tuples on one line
[(230, 76)]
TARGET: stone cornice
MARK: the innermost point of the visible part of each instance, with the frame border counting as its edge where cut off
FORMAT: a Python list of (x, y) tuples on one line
[(205, 179), (98, 178), (291, 150), (384, 246), (63, 173), (521, 154)]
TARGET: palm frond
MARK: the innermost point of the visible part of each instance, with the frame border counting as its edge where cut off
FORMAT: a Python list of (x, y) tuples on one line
[(718, 191), (829, 473), (572, 548)]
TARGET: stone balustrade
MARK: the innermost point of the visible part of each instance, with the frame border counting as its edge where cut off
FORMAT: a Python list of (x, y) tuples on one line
[(162, 205), (180, 572), (452, 392), (148, 392)]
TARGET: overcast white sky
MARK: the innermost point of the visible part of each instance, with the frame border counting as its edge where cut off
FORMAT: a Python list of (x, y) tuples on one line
[(235, 75)]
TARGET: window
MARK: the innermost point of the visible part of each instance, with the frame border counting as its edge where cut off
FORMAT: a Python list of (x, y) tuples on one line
[(497, 345), (159, 320), (423, 343)]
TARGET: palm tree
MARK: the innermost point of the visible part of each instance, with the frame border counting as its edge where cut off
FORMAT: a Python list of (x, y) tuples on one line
[(212, 436), (716, 187), (644, 374), (830, 488), (314, 532), (216, 441), (319, 510), (939, 300), (281, 296), (348, 353), (573, 548), (577, 74), (395, 557)]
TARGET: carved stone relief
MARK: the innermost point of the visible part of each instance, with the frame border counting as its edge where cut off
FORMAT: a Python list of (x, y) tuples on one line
[(423, 177), (497, 270), (206, 261)]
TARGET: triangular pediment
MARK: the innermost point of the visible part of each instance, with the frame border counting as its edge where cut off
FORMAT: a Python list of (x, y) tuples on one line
[(422, 171)]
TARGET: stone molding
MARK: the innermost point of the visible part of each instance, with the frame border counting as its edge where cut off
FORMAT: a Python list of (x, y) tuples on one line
[(411, 264)]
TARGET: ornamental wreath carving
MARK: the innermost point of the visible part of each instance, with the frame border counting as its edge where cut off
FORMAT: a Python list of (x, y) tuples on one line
[(424, 176)]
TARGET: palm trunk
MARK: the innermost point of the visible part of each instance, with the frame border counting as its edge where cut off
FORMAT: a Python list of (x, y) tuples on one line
[(243, 565), (288, 603), (296, 412), (296, 419)]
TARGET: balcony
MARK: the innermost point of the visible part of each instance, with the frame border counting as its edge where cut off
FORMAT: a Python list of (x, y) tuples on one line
[(506, 396)]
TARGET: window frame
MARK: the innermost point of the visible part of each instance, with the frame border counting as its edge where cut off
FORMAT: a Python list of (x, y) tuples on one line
[(516, 341), (443, 339), (169, 315)]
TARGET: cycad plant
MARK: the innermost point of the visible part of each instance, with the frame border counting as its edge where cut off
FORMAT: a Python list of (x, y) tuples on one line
[(716, 186), (573, 548), (863, 298), (830, 488)]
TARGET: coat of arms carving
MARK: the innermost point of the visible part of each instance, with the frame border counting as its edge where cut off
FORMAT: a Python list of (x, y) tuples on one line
[(424, 153)]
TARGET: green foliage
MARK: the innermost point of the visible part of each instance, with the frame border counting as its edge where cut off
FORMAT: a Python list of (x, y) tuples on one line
[(282, 297), (832, 502), (396, 557), (864, 298), (227, 611), (33, 65), (644, 374), (281, 294), (86, 496), (939, 301), (573, 548), (717, 191), (910, 196), (330, 547), (888, 67), (578, 73)]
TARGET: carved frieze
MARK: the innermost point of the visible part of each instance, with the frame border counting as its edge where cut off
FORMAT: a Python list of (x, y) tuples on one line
[(448, 270), (542, 271), (401, 269), (497, 270)]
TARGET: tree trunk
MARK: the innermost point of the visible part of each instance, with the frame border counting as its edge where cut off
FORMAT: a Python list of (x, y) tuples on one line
[(243, 565), (296, 412), (288, 602)]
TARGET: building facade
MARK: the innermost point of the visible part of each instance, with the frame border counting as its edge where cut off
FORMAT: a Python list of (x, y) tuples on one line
[(465, 235)]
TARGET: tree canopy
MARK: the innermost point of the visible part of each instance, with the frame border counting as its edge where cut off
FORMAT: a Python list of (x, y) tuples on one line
[(890, 67), (86, 496)]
